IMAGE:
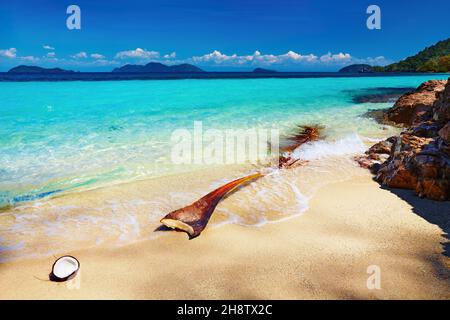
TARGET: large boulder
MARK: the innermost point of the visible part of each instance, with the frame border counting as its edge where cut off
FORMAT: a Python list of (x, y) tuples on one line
[(419, 158), (416, 106), (441, 110), (418, 163), (376, 155), (444, 133)]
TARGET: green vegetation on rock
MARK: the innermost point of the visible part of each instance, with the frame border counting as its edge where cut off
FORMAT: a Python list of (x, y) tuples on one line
[(432, 59)]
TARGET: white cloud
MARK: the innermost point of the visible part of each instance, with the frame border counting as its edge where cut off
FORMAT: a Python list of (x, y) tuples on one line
[(9, 53), (89, 62), (97, 56), (104, 62), (291, 55), (137, 53), (290, 58), (257, 58), (172, 55), (336, 58), (286, 60), (29, 58), (85, 55), (214, 58), (47, 47), (80, 55), (376, 61)]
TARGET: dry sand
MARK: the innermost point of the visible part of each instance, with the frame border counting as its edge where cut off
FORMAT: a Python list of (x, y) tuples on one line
[(323, 254)]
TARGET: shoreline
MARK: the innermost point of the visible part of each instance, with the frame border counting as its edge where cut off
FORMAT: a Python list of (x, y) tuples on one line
[(120, 214), (322, 254)]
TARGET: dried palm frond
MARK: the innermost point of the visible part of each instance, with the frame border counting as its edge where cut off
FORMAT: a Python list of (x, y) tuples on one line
[(194, 218)]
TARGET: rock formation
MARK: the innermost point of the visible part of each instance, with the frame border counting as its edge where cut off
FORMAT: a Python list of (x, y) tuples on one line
[(419, 158), (416, 106)]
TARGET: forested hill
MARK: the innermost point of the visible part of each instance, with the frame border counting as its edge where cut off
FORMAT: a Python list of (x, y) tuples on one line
[(432, 59)]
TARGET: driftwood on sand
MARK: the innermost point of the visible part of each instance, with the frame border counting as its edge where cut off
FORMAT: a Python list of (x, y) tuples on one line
[(194, 218)]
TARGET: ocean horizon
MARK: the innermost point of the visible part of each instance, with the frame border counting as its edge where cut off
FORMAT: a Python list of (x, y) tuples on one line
[(121, 76)]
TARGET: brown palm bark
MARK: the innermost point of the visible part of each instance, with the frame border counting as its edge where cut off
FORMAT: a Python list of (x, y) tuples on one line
[(194, 218)]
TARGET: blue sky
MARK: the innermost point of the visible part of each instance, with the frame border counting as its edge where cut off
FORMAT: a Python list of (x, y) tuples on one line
[(300, 35)]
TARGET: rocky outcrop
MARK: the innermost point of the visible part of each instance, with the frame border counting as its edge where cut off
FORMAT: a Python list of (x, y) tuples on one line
[(444, 133), (441, 111), (417, 163), (419, 158), (415, 107), (376, 155)]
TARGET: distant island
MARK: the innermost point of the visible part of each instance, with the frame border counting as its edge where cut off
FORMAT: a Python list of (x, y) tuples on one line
[(262, 70), (432, 59), (35, 69), (357, 68), (156, 67)]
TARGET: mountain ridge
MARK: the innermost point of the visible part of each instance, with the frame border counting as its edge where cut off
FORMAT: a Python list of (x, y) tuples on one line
[(36, 69)]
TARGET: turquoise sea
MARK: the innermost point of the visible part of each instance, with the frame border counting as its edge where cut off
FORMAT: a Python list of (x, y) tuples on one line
[(88, 163), (58, 137)]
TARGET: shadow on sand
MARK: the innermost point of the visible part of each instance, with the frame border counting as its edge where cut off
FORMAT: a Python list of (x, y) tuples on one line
[(435, 212)]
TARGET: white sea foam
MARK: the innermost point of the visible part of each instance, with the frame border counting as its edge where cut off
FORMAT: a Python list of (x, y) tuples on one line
[(351, 144)]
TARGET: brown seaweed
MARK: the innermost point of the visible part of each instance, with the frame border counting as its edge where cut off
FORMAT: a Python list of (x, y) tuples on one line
[(194, 218)]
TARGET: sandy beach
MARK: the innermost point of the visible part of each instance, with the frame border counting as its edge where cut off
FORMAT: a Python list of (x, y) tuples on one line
[(321, 254)]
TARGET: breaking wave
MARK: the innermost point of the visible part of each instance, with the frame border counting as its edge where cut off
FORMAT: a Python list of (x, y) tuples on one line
[(351, 144)]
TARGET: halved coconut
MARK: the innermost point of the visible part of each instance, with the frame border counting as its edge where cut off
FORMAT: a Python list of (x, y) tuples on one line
[(64, 268)]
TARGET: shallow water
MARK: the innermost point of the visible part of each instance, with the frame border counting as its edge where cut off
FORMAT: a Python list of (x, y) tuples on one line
[(60, 138)]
